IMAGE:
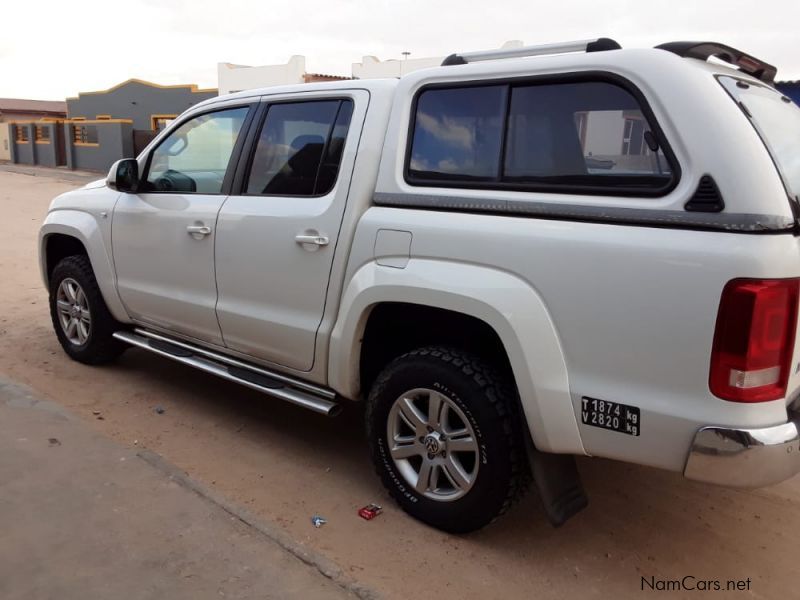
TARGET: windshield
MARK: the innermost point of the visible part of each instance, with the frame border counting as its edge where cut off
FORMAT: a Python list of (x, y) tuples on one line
[(777, 120)]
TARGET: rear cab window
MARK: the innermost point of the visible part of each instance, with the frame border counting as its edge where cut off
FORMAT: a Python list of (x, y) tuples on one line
[(777, 120), (592, 137), (299, 148)]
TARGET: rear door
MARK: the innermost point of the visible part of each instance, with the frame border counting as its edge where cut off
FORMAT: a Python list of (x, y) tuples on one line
[(276, 237), (163, 235)]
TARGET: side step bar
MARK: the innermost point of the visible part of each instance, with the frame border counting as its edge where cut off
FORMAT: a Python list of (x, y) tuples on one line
[(277, 385)]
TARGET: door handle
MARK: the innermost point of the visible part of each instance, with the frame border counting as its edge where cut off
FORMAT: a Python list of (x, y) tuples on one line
[(198, 231), (316, 239)]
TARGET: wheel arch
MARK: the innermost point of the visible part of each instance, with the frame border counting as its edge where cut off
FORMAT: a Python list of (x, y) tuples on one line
[(56, 247), (501, 303), (67, 232)]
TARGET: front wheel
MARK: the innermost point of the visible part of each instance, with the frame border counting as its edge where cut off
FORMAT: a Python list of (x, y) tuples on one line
[(445, 438), (83, 324)]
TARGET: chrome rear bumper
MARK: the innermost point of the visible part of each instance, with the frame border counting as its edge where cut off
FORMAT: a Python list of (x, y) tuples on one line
[(745, 457)]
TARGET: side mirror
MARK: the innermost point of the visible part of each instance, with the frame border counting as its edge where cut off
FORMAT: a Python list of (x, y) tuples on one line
[(124, 175)]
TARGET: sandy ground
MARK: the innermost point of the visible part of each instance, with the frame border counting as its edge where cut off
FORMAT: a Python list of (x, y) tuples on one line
[(285, 464)]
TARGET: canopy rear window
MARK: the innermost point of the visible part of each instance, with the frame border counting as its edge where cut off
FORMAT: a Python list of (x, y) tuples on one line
[(777, 120), (592, 137)]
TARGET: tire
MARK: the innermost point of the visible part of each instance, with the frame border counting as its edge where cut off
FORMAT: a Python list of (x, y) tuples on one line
[(73, 293), (469, 479)]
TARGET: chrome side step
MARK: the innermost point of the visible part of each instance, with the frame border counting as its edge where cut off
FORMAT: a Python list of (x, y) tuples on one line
[(277, 385), (228, 360)]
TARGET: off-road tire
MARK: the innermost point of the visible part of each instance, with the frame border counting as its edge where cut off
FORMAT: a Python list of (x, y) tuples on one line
[(489, 401), (99, 347)]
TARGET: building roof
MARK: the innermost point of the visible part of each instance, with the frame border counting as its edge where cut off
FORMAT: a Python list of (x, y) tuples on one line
[(314, 77), (192, 87), (19, 105)]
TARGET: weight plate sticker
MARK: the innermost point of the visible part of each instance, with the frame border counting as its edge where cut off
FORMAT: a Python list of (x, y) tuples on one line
[(611, 415)]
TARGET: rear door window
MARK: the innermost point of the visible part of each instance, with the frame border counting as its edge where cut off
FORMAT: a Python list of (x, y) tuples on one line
[(584, 137), (299, 148)]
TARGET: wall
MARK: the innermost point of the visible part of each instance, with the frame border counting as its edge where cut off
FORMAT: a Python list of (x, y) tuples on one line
[(46, 149), (372, 68), (114, 141), (5, 143), (137, 100), (22, 152), (235, 78)]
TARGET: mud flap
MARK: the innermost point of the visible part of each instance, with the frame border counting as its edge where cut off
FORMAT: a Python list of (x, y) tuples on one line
[(559, 484)]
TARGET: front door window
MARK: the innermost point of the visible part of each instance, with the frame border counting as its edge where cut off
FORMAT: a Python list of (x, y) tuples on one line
[(194, 157)]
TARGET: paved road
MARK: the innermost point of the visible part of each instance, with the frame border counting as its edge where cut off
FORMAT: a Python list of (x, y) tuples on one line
[(83, 517), (285, 464)]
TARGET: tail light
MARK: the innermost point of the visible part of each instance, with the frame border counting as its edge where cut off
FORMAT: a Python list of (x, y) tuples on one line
[(754, 338)]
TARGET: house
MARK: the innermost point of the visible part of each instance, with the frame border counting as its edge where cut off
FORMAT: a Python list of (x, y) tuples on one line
[(147, 107), (18, 109), (235, 78), (371, 67), (103, 126)]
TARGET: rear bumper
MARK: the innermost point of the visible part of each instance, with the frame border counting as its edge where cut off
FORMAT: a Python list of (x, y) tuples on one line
[(745, 457)]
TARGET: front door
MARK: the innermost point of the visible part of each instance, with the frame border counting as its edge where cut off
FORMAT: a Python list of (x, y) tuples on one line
[(276, 239), (163, 236)]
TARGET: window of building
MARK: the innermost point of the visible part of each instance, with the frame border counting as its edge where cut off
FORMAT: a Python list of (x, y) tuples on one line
[(195, 156), (300, 148), (160, 122), (21, 134), (41, 134), (579, 137), (85, 135)]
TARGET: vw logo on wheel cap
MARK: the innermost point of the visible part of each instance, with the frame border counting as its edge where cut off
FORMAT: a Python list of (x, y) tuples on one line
[(432, 444)]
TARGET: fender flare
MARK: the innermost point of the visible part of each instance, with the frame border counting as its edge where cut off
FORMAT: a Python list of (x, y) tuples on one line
[(503, 301), (83, 227)]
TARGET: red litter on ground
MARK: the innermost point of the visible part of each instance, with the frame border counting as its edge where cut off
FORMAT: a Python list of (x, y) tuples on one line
[(370, 511)]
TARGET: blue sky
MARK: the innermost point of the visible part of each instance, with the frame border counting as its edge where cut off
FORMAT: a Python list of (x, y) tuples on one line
[(95, 44)]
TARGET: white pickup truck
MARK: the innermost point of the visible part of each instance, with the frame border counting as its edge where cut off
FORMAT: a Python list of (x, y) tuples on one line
[(516, 258)]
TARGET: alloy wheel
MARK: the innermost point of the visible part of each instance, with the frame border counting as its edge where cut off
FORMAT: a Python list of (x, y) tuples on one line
[(432, 444), (73, 311)]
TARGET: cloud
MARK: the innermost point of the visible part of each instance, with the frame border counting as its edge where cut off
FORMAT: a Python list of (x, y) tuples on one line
[(447, 131)]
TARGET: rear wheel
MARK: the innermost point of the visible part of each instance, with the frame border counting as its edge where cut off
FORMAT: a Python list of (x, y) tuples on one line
[(445, 438), (83, 324)]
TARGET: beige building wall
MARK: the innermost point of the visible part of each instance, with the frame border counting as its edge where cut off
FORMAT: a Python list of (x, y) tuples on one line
[(371, 67), (5, 144), (235, 78)]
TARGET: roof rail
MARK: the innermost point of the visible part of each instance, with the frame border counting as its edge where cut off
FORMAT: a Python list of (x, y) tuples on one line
[(596, 45), (704, 50)]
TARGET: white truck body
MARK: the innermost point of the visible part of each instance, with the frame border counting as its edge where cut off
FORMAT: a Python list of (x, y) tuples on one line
[(593, 296)]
